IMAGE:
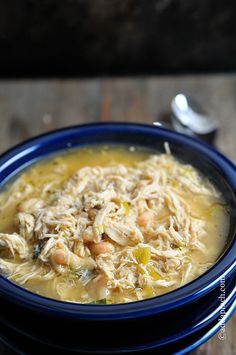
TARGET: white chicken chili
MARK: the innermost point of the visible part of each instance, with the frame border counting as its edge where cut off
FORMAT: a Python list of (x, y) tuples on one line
[(107, 224)]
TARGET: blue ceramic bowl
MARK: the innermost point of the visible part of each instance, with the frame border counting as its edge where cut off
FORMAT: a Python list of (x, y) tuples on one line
[(175, 322)]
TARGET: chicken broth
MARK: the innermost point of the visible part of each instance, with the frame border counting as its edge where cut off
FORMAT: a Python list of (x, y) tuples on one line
[(108, 224)]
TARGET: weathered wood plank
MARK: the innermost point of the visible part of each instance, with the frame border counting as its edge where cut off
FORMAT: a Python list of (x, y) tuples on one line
[(29, 108), (147, 100)]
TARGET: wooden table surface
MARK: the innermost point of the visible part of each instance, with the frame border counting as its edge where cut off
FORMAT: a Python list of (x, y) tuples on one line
[(28, 108)]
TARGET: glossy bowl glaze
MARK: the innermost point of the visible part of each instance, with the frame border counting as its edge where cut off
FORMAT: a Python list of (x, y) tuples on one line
[(173, 322)]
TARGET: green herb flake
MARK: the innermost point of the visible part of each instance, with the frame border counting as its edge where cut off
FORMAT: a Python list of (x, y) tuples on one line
[(102, 301), (36, 249)]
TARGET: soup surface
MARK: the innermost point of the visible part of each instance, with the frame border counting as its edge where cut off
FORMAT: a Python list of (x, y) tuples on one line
[(107, 224)]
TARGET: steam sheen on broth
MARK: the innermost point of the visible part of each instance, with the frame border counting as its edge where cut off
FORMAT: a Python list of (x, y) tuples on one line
[(108, 224)]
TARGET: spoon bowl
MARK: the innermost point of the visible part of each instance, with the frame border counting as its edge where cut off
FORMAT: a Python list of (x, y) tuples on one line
[(188, 117)]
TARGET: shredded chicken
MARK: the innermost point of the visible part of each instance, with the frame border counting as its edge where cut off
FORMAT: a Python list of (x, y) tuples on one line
[(126, 231), (26, 224), (15, 244)]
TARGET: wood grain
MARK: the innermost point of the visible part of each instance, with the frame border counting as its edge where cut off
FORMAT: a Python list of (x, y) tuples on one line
[(28, 108)]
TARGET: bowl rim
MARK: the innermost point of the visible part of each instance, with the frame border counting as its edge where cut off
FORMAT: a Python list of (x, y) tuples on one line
[(188, 293)]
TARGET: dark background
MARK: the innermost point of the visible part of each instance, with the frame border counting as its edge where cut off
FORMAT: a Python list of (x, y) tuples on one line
[(41, 38)]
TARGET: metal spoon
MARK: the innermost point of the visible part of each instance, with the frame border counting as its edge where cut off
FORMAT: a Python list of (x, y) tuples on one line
[(188, 117)]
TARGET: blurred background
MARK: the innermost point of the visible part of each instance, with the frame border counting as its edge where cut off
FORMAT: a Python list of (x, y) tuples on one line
[(79, 61), (112, 37)]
